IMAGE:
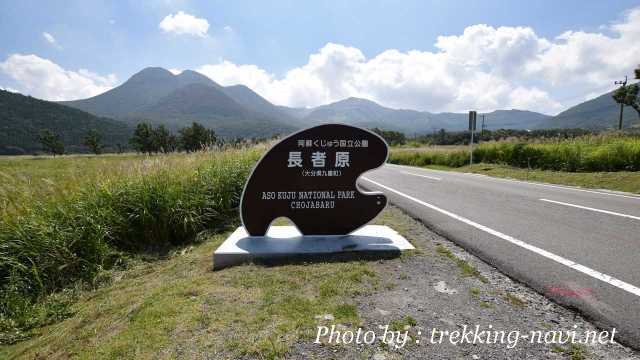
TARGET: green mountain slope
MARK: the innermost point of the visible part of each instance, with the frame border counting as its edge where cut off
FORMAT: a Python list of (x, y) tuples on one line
[(599, 113), (22, 118), (214, 109), (143, 89), (157, 96), (256, 103), (367, 113)]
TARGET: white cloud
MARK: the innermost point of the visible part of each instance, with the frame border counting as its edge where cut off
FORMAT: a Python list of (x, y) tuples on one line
[(501, 50), (175, 71), (592, 59), (50, 39), (45, 79), (484, 68), (184, 24), (414, 80)]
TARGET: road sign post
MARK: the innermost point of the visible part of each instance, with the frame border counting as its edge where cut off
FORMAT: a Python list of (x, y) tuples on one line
[(472, 128)]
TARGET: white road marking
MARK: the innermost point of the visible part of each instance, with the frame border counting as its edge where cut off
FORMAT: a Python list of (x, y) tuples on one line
[(551, 256), (592, 209), (524, 182), (424, 176)]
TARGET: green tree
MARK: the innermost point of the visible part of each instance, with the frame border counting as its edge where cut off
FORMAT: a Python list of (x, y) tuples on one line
[(51, 142), (163, 140), (629, 95), (391, 137), (143, 139), (196, 137), (93, 140)]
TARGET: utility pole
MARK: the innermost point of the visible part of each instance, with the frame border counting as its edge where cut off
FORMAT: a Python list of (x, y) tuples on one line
[(623, 83), (472, 129)]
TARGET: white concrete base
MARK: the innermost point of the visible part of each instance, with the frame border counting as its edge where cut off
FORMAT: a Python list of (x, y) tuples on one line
[(286, 242)]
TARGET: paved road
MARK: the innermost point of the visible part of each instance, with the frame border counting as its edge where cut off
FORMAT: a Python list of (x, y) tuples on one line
[(580, 247)]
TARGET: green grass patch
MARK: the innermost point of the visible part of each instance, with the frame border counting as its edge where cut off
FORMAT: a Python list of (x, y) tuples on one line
[(466, 269), (475, 292), (514, 300), (485, 304), (177, 307), (403, 324), (575, 351)]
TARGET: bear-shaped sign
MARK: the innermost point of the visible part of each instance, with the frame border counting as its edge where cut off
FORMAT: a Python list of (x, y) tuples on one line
[(310, 177)]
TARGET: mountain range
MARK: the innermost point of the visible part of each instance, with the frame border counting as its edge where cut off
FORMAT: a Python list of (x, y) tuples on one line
[(158, 96)]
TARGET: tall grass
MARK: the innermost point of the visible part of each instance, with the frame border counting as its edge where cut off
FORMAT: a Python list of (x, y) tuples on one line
[(128, 206), (590, 153)]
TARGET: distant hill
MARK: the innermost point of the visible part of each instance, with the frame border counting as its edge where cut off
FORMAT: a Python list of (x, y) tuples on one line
[(366, 113), (598, 113), (297, 113), (23, 117), (160, 97), (498, 119)]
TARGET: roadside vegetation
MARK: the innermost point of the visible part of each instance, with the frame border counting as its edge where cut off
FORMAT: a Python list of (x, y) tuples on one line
[(66, 221), (178, 308), (591, 153)]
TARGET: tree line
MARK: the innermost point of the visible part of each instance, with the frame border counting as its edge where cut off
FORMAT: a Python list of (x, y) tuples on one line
[(145, 139)]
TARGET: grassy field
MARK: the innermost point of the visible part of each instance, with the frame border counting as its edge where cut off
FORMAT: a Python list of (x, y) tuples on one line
[(606, 152), (67, 222), (603, 161)]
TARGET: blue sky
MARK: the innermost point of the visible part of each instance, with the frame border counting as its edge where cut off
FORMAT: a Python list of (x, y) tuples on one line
[(383, 50)]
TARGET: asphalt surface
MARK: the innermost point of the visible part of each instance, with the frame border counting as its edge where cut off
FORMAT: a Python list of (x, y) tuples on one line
[(580, 247)]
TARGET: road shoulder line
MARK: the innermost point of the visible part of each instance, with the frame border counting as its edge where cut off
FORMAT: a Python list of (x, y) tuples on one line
[(563, 187), (591, 209), (551, 256)]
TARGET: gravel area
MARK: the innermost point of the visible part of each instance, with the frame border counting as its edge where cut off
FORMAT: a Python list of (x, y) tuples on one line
[(442, 287)]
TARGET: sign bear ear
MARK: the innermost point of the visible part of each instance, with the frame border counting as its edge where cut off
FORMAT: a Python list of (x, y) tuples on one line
[(310, 177)]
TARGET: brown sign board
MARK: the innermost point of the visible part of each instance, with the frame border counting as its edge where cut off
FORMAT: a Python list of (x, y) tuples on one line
[(310, 177)]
